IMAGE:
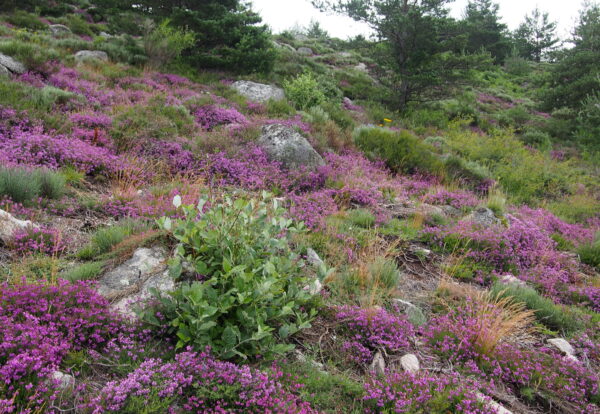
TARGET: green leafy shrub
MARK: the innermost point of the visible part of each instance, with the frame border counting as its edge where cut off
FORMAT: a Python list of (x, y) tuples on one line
[(279, 108), (304, 91), (23, 185), (77, 25), (254, 294), (402, 151), (546, 312), (590, 253), (467, 172), (537, 139), (164, 43)]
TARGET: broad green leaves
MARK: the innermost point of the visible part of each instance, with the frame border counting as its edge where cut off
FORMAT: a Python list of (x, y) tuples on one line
[(252, 295)]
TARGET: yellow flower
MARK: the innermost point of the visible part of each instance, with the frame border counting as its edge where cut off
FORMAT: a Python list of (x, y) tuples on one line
[(387, 120)]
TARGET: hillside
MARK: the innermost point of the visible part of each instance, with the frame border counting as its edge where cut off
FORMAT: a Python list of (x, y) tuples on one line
[(181, 239)]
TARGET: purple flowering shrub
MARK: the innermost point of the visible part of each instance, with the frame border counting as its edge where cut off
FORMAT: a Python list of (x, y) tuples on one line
[(367, 330), (524, 248), (457, 199), (415, 393), (44, 240), (454, 337), (197, 382), (40, 324), (211, 116), (33, 147)]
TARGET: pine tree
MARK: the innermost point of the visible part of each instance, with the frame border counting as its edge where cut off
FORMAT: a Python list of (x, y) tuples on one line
[(536, 36), (485, 31)]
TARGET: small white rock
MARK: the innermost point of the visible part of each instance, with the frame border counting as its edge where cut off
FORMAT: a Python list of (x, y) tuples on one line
[(509, 279), (492, 404), (378, 365), (563, 346), (313, 258), (62, 380), (410, 363)]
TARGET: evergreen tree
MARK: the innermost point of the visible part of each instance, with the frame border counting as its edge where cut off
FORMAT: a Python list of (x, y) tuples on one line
[(536, 36), (577, 74), (485, 31), (229, 35), (418, 48)]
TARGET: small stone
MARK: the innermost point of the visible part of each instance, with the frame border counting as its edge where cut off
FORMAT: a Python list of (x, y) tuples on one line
[(492, 404), (563, 346), (410, 363), (362, 67), (283, 144), (314, 287), (484, 217), (313, 258), (12, 65), (84, 55), (9, 225), (509, 279), (378, 365), (62, 380), (305, 51), (4, 71), (59, 29), (258, 92)]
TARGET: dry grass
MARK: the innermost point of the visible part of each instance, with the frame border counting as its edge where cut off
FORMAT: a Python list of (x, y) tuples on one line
[(499, 319)]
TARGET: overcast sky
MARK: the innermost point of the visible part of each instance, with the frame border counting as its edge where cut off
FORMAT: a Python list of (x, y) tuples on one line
[(284, 14)]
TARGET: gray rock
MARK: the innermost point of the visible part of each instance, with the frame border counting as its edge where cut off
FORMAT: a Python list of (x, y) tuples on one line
[(362, 67), (314, 287), (313, 258), (59, 29), (450, 211), (84, 55), (509, 279), (12, 65), (62, 380), (258, 92), (344, 55), (131, 282), (410, 363), (301, 37), (106, 35), (10, 224), (563, 346), (305, 51), (4, 71), (492, 404), (484, 217), (292, 150), (414, 313), (378, 365), (285, 46)]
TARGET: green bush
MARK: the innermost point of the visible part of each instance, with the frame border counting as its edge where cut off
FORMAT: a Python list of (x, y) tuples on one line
[(304, 91), (537, 139), (469, 173), (32, 55), (401, 151), (23, 185), (279, 108), (384, 273), (547, 312), (253, 296), (27, 20), (589, 253), (164, 43), (77, 25)]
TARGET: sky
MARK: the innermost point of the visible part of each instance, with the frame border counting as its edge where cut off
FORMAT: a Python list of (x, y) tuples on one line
[(285, 14)]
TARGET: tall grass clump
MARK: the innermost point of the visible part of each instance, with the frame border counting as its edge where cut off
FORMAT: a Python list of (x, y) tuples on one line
[(546, 312), (23, 185), (589, 253), (104, 239)]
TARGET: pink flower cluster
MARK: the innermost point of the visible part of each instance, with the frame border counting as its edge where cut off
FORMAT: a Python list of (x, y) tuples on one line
[(197, 382), (44, 240), (457, 199), (368, 330), (408, 393), (39, 325), (211, 116)]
